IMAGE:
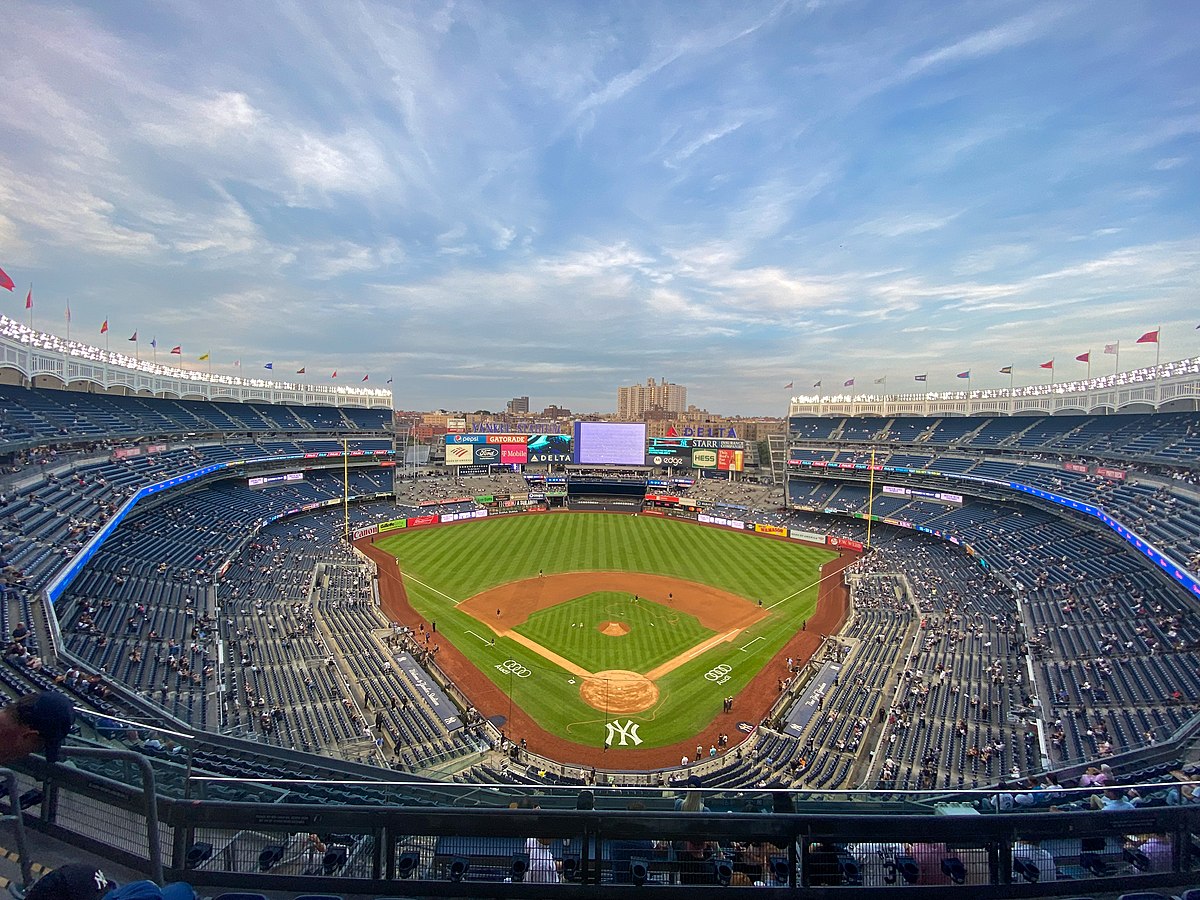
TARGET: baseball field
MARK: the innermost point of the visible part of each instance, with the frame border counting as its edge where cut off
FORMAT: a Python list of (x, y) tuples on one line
[(608, 631)]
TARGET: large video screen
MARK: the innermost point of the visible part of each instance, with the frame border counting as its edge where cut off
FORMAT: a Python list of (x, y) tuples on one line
[(610, 444)]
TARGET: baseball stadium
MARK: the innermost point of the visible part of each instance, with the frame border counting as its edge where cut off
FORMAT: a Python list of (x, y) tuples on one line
[(942, 644)]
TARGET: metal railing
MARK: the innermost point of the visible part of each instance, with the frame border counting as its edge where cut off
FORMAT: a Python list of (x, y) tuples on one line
[(605, 842)]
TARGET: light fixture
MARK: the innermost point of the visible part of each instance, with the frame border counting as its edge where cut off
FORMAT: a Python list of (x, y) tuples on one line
[(1093, 864), (781, 869), (723, 871), (269, 857), (406, 865), (458, 868), (848, 869), (1027, 870), (519, 866), (639, 870), (1137, 859), (570, 867), (907, 869), (953, 868)]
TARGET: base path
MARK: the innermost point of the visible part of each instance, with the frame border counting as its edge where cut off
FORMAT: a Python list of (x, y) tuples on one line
[(717, 610)]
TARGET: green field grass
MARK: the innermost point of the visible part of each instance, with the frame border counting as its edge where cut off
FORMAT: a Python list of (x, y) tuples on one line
[(444, 565), (656, 633)]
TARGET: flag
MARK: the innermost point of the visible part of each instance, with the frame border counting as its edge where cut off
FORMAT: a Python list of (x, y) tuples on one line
[(237, 363), (389, 381), (924, 377), (334, 375), (1150, 337), (269, 365), (300, 371), (154, 342), (1047, 365), (786, 387), (849, 382), (881, 380), (103, 328), (1111, 348), (29, 298), (5, 281), (177, 349), (133, 337), (68, 312), (817, 385), (203, 357), (1085, 357), (365, 377), (1007, 370), (966, 374)]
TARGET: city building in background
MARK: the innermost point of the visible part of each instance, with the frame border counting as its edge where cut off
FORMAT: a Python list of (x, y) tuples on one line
[(636, 401)]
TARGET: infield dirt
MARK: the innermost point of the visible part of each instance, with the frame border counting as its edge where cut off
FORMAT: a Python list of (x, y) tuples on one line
[(715, 609)]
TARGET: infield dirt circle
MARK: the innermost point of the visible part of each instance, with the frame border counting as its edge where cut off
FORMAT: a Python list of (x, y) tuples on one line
[(619, 692)]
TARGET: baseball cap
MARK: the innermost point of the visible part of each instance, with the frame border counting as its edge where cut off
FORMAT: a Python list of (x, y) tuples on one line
[(51, 714), (74, 881)]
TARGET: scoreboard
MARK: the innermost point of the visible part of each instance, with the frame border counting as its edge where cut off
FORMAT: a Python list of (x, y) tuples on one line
[(721, 454)]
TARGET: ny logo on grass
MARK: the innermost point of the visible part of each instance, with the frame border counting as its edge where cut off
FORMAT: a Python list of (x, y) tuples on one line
[(617, 730)]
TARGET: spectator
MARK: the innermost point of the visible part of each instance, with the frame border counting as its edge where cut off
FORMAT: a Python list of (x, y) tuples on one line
[(38, 722)]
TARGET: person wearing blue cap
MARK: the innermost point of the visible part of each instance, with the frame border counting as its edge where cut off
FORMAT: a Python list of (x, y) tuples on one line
[(36, 723)]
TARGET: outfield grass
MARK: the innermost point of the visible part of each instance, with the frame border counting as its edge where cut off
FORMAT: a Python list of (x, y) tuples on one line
[(656, 633), (444, 565)]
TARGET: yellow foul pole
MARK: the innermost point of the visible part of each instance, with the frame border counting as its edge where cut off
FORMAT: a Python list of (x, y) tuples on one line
[(346, 486)]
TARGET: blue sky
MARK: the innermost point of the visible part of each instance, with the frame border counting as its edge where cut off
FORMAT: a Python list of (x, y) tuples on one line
[(494, 199)]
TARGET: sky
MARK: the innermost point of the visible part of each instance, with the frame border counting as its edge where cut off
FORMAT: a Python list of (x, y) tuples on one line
[(483, 200)]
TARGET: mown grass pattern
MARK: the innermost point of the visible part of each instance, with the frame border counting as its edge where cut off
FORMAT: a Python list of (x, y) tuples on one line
[(446, 564), (573, 630)]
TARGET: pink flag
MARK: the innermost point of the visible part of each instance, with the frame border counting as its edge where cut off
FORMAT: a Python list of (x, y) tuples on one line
[(5, 281)]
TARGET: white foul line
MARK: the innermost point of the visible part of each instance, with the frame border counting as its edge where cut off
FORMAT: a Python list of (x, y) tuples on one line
[(429, 588)]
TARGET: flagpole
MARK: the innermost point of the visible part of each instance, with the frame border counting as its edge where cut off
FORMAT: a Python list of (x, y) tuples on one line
[(1117, 359), (1010, 380), (68, 318), (30, 306), (1089, 364)]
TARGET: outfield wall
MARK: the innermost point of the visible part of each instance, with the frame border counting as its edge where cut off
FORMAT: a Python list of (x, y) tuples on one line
[(756, 700)]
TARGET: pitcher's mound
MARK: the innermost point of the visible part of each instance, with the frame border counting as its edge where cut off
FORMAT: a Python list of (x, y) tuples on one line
[(616, 629), (619, 692)]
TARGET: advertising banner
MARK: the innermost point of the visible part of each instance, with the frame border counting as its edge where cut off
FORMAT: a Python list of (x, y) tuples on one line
[(430, 690), (364, 532), (771, 529), (507, 438), (460, 455), (730, 460), (1110, 474), (549, 448), (843, 543), (393, 525), (667, 456), (704, 459), (1081, 468), (466, 439), (514, 454), (421, 520), (487, 455), (814, 537)]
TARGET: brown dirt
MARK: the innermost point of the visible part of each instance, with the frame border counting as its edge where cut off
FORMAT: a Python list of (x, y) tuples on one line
[(712, 607), (619, 692), (614, 629)]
